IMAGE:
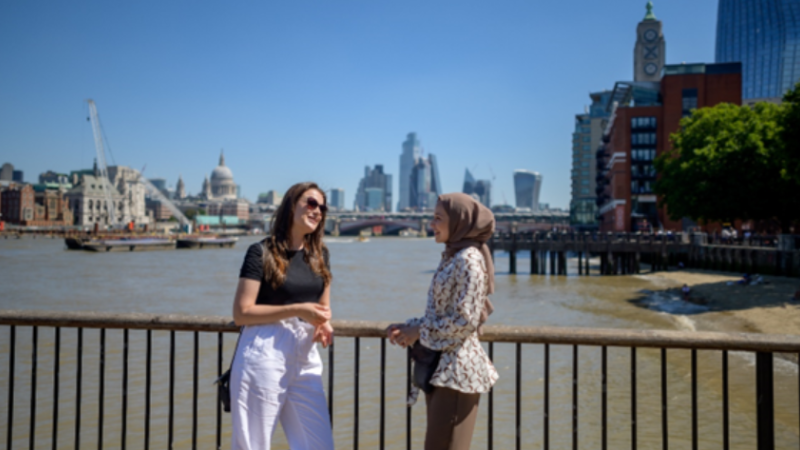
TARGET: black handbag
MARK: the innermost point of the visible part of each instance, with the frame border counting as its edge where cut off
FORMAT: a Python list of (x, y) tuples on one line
[(224, 381), (425, 363)]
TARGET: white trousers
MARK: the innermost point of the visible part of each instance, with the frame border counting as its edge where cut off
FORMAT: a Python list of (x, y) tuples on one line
[(277, 376)]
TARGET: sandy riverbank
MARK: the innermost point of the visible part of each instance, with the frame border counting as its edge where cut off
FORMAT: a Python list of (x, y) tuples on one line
[(766, 308)]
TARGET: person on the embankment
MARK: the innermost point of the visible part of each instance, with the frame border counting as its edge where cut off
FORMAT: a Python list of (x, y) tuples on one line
[(283, 302), (450, 365)]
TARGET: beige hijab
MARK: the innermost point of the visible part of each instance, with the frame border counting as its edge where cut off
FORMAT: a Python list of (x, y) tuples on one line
[(471, 225)]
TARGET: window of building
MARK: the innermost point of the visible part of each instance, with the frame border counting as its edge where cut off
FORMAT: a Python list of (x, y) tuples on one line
[(689, 101), (587, 148), (584, 191), (587, 139), (643, 122)]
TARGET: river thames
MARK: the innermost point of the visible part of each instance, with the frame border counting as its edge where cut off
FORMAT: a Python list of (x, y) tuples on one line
[(385, 279)]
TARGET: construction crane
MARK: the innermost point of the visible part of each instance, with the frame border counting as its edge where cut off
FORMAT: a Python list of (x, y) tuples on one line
[(155, 192), (101, 162)]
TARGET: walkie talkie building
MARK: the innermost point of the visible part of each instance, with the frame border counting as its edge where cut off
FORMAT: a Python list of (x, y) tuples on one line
[(764, 35)]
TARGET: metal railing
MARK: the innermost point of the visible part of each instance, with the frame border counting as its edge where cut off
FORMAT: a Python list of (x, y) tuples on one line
[(763, 346)]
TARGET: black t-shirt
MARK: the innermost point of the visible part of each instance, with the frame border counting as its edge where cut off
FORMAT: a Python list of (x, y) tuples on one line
[(302, 285)]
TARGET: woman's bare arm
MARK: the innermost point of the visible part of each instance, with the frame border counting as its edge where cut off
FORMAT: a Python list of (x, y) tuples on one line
[(247, 312)]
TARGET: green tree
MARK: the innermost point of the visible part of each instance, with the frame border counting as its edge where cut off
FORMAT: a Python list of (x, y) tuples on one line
[(790, 153), (726, 164)]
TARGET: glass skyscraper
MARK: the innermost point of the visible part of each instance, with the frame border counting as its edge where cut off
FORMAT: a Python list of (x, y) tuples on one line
[(764, 35), (527, 186)]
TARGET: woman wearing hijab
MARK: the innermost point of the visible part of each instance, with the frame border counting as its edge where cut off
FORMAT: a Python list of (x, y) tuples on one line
[(457, 307)]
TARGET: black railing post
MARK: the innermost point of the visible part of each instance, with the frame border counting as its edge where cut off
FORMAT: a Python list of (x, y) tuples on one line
[(765, 401), (78, 376), (356, 357), (56, 373), (101, 391), (32, 436), (124, 432), (11, 357)]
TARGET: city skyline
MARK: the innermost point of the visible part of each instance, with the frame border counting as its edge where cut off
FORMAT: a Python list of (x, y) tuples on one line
[(295, 93)]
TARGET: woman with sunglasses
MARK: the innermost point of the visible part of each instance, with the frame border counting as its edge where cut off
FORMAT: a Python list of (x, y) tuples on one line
[(283, 304)]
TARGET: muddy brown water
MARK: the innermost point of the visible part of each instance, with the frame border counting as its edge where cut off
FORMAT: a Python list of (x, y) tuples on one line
[(383, 279)]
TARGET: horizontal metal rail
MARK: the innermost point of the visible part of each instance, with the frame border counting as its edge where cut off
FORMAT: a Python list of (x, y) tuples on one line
[(701, 340)]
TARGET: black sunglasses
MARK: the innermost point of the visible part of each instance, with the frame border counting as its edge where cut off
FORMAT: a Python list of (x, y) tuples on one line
[(312, 203)]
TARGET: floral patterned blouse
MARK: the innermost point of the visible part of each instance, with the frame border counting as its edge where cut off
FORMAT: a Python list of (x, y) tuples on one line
[(450, 324)]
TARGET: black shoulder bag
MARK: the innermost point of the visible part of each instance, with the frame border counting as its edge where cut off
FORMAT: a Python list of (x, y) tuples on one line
[(425, 363), (224, 381)]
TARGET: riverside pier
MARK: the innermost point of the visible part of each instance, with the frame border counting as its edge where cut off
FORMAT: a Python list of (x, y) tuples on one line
[(623, 253)]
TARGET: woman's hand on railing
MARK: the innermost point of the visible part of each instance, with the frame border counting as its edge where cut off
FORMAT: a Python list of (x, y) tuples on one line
[(324, 334), (315, 314), (402, 334)]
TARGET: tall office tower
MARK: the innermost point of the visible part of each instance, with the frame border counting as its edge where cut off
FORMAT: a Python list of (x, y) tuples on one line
[(586, 139), (425, 184), (764, 35), (408, 159), (480, 189), (336, 199), (649, 51), (374, 179), (527, 186)]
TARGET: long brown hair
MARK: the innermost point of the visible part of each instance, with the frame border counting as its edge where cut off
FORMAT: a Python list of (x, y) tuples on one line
[(276, 262)]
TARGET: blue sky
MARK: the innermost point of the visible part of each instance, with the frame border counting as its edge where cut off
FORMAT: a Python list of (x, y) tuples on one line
[(316, 90)]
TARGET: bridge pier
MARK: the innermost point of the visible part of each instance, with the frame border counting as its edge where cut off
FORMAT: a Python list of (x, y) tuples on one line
[(534, 262), (423, 228), (543, 263), (580, 263), (336, 223), (552, 263)]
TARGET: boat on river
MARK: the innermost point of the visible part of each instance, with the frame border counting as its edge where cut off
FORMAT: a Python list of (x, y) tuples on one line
[(198, 242), (129, 245)]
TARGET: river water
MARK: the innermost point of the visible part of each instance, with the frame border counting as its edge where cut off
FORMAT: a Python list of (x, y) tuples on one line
[(384, 279)]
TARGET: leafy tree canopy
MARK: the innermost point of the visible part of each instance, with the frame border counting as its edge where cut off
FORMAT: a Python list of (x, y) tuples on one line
[(727, 164)]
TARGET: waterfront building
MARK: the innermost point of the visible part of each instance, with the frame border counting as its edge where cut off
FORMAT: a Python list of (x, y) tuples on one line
[(373, 199), (34, 205), (7, 172), (51, 177), (408, 159), (649, 53), (180, 189), (480, 189), (336, 199), (233, 207), (18, 176), (159, 211), (271, 198), (527, 187), (636, 135), (221, 186), (764, 35), (374, 179), (87, 198), (17, 203), (425, 184)]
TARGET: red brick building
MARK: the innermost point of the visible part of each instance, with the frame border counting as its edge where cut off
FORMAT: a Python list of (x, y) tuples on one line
[(17, 204), (637, 134), (21, 204)]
